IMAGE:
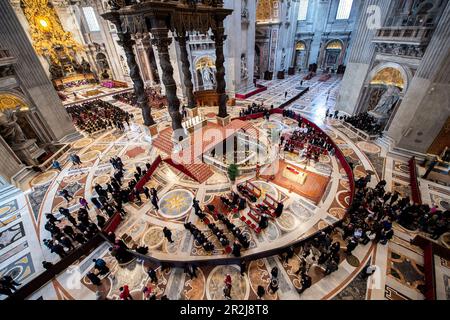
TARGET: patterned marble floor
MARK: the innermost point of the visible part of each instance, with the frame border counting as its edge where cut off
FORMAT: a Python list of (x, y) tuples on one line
[(400, 264)]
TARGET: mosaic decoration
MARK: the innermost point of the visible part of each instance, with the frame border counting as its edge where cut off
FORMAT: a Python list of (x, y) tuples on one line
[(406, 271), (19, 270), (44, 178), (47, 33), (266, 189), (194, 289), (11, 235), (392, 294), (176, 203), (11, 102), (8, 254), (389, 76), (36, 197), (240, 289), (8, 208), (356, 289)]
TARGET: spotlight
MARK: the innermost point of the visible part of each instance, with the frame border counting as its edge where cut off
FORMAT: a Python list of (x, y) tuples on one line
[(43, 23)]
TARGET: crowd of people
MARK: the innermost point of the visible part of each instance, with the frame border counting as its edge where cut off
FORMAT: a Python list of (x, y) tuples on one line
[(200, 237), (306, 140), (254, 108), (370, 216), (374, 210), (155, 99), (70, 230), (97, 115), (365, 122)]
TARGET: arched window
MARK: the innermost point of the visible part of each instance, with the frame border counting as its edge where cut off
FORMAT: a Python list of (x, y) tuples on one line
[(91, 19), (303, 10), (335, 44), (344, 8), (300, 46)]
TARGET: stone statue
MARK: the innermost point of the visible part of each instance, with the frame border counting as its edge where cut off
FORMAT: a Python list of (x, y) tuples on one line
[(208, 76), (387, 101), (86, 67), (105, 74), (10, 130), (244, 69), (244, 11), (56, 71)]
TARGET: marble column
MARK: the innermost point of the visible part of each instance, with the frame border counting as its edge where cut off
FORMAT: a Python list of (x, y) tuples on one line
[(425, 106), (32, 76), (141, 58), (127, 43), (186, 68), (154, 76), (10, 163), (219, 37), (361, 56), (162, 41)]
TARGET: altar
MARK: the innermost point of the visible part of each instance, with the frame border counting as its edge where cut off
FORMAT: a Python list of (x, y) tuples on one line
[(295, 175), (74, 82)]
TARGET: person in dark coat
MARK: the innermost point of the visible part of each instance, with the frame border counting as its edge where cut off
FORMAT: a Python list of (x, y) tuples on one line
[(260, 291), (65, 241), (51, 218), (101, 221), (101, 266), (279, 209), (236, 249), (58, 249), (93, 278), (168, 234), (155, 202), (274, 272), (146, 192), (273, 286), (351, 245), (96, 203), (152, 275), (78, 237)]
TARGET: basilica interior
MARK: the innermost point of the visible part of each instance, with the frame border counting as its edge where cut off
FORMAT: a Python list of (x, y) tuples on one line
[(225, 149)]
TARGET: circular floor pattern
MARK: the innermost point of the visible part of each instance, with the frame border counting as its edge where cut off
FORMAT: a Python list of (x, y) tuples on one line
[(175, 204), (240, 289), (43, 178), (271, 232), (271, 125), (287, 221), (101, 180), (347, 152), (368, 147), (89, 156), (132, 274), (338, 213), (153, 238), (172, 247), (82, 143), (353, 261), (300, 211), (325, 168), (266, 189), (324, 159)]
